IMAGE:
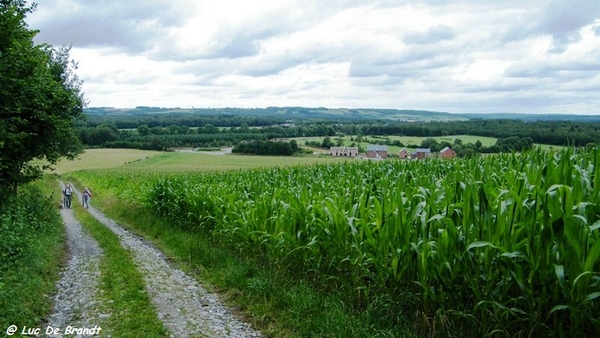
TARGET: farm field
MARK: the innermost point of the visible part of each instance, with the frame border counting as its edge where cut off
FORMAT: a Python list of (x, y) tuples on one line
[(132, 159), (509, 244), (103, 159), (412, 141), (408, 140), (416, 141), (143, 160), (169, 162)]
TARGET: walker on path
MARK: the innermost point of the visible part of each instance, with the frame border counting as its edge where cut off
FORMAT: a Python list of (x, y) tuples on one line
[(86, 196), (67, 196)]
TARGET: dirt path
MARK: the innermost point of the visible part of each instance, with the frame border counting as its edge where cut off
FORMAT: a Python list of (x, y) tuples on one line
[(223, 151), (185, 307), (75, 303)]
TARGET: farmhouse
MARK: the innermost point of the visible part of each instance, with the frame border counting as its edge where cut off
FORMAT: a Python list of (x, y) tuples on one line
[(377, 151), (421, 153), (344, 151), (447, 153), (403, 154)]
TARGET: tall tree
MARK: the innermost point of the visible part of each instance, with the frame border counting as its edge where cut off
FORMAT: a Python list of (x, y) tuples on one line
[(40, 97)]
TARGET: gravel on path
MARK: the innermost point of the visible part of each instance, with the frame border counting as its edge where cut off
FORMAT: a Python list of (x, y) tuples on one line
[(75, 303), (183, 305)]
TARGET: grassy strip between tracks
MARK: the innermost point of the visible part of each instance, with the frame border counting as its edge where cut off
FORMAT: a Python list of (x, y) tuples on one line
[(123, 290), (275, 304)]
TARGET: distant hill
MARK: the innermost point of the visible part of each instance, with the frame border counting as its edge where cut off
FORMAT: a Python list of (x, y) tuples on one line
[(292, 113), (533, 117), (339, 114)]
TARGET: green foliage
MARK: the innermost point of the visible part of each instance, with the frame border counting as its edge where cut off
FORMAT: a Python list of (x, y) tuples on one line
[(20, 219), (278, 305), (143, 130), (327, 143), (429, 143), (514, 143), (273, 148), (507, 243), (99, 135), (195, 129), (39, 98), (31, 250)]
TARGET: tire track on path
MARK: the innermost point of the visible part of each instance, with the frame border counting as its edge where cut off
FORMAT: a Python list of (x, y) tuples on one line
[(75, 302), (182, 304)]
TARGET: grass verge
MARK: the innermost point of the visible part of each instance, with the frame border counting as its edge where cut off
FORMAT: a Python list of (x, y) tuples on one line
[(28, 274), (276, 304), (124, 293)]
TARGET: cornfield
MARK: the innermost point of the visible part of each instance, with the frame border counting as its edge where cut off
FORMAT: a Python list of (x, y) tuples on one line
[(507, 245)]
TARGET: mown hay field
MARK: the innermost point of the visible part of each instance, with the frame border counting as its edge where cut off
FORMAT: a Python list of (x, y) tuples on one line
[(143, 160), (103, 159)]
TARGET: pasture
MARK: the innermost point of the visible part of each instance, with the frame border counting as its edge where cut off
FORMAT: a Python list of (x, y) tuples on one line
[(409, 142), (414, 141)]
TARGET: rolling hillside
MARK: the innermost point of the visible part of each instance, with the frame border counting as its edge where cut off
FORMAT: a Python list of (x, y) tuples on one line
[(408, 115)]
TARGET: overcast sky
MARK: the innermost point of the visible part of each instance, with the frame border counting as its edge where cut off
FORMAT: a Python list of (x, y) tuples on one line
[(522, 56)]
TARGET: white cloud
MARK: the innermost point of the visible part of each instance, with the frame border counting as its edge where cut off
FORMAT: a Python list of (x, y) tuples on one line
[(458, 56)]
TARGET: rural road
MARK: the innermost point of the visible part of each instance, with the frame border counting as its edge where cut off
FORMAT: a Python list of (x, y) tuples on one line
[(182, 304), (74, 303)]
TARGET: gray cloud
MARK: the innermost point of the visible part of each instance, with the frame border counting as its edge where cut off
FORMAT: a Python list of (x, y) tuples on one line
[(569, 68), (235, 47), (131, 26), (271, 65), (504, 86), (432, 35), (563, 19), (416, 61), (401, 71)]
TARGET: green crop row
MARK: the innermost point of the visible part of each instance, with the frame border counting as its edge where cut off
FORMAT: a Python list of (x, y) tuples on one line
[(505, 244)]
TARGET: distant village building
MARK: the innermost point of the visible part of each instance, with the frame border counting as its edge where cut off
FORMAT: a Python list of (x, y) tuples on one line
[(403, 154), (344, 151), (447, 153), (377, 151), (422, 153)]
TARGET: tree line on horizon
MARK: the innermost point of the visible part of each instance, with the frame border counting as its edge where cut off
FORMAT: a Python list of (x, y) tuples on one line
[(163, 132)]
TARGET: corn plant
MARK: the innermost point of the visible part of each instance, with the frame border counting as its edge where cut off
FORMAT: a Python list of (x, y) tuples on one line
[(509, 243)]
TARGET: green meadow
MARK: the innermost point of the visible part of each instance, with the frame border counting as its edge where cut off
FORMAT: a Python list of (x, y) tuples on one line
[(407, 140)]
